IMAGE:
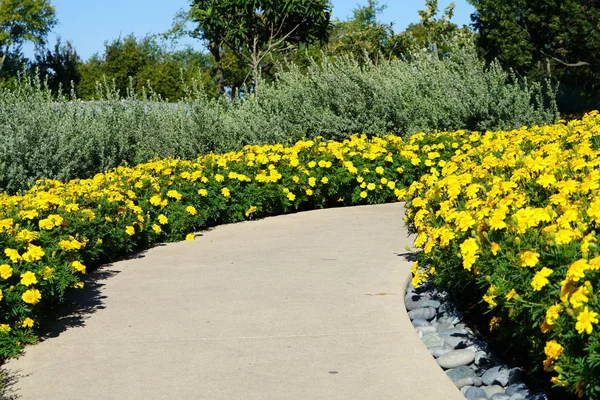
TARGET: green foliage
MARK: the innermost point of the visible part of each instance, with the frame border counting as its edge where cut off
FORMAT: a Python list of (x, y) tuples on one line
[(147, 63), (60, 67), (545, 38), (254, 30), (24, 20), (44, 137)]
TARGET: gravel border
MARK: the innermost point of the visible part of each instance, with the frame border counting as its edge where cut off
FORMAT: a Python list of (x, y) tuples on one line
[(467, 359)]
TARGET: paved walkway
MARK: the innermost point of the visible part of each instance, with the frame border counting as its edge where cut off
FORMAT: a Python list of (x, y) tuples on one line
[(302, 306)]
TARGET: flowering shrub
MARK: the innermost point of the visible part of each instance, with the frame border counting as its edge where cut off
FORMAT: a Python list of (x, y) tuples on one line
[(515, 215), (53, 233)]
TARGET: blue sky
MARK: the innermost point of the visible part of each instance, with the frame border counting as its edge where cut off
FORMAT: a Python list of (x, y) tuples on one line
[(88, 24)]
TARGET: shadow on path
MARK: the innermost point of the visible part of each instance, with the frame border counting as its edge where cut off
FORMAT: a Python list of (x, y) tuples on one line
[(79, 303), (8, 379)]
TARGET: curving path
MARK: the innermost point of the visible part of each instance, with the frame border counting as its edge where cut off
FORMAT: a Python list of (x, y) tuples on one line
[(301, 306)]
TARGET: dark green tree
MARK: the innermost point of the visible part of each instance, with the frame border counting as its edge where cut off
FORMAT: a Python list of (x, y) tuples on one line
[(144, 63), (60, 67), (254, 30), (22, 21), (543, 38)]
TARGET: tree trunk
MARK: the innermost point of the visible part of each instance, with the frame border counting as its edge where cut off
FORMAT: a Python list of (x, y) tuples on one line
[(254, 65), (216, 53)]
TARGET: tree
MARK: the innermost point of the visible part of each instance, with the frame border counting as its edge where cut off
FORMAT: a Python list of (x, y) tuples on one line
[(61, 67), (542, 38), (363, 34), (144, 63), (255, 29), (24, 20)]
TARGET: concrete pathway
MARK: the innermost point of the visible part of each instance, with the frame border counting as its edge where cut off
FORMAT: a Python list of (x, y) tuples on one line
[(302, 306)]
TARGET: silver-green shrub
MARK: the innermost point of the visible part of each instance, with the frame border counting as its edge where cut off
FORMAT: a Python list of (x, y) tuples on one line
[(46, 137)]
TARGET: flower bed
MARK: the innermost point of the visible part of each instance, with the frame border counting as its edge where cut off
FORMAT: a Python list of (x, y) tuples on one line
[(512, 218), (506, 216), (55, 231)]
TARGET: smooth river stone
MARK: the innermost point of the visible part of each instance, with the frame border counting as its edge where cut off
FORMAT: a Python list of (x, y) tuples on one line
[(413, 305), (454, 341), (474, 393), (426, 329), (498, 374), (468, 381), (457, 332), (437, 351), (456, 358), (492, 390), (419, 322), (460, 373), (426, 313)]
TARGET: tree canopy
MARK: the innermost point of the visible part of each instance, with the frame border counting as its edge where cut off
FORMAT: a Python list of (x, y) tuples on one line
[(21, 21), (255, 29), (559, 39)]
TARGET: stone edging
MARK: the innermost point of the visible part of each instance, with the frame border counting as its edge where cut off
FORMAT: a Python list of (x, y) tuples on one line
[(467, 360)]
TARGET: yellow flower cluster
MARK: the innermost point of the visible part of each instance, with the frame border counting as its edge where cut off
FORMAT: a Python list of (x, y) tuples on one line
[(50, 233), (520, 209)]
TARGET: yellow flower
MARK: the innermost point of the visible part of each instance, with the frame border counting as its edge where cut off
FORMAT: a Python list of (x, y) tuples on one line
[(371, 186), (511, 295), (391, 185), (4, 328), (225, 192), (529, 258), (219, 178), (577, 270), (47, 273), (130, 230), (27, 323), (251, 210), (311, 164), (13, 255), (174, 194), (203, 192), (191, 210), (78, 285), (541, 279), (379, 170), (6, 224), (28, 214), (46, 224), (162, 219), (291, 196), (494, 323), (495, 248), (155, 200), (33, 253), (312, 181), (324, 180), (190, 236), (469, 249), (57, 220), (579, 297), (363, 194), (585, 319), (553, 350), (31, 296), (6, 271), (78, 266), (309, 192), (28, 278), (546, 180)]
